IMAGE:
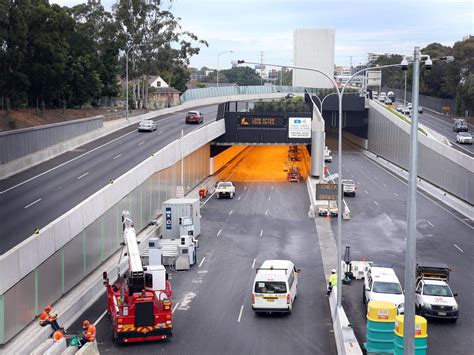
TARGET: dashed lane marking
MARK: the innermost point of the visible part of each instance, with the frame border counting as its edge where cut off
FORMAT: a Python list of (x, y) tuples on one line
[(253, 264), (431, 224), (83, 175), (376, 203), (142, 142), (261, 232), (219, 233), (31, 204), (175, 306), (230, 213), (202, 261), (117, 156), (240, 314), (100, 318), (462, 251)]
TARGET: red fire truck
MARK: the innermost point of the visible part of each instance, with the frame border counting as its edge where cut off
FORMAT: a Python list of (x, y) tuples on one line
[(139, 303)]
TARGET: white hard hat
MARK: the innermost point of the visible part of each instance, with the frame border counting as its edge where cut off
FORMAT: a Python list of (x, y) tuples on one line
[(333, 271)]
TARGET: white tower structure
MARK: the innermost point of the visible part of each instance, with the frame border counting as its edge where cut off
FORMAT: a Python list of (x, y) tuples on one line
[(313, 48)]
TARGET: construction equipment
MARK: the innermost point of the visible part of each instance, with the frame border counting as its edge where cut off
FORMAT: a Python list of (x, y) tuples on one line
[(139, 303), (294, 174)]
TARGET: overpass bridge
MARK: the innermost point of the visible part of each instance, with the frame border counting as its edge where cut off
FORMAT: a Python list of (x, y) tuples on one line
[(38, 268)]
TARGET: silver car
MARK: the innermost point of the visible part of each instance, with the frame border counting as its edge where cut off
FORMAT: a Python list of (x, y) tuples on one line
[(147, 125), (464, 138)]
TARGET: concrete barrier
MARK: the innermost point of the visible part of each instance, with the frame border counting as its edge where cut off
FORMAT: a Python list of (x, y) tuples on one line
[(89, 349), (70, 350), (39, 349), (57, 348)]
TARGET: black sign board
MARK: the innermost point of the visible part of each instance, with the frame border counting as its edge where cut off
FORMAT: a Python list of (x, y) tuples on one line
[(250, 120), (326, 192)]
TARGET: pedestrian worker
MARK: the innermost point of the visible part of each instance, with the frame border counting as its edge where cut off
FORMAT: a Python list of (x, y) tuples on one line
[(89, 333), (332, 281), (47, 317)]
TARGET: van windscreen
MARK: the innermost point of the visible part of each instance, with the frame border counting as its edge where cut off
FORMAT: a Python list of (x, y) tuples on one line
[(270, 287)]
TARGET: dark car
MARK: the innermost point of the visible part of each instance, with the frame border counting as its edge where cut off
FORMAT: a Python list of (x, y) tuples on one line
[(194, 117)]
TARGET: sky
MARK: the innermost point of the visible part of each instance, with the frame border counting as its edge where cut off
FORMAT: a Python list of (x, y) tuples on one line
[(248, 27)]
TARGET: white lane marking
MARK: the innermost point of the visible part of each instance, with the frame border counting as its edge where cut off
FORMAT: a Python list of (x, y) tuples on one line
[(117, 156), (31, 204), (376, 203), (230, 213), (423, 195), (266, 212), (431, 224), (100, 318), (67, 162), (210, 196), (142, 142), (202, 261), (389, 219), (175, 306), (366, 191), (240, 314), (261, 232), (80, 177), (395, 194), (239, 198), (269, 198), (376, 178), (220, 231), (253, 264), (160, 132), (245, 188), (462, 251)]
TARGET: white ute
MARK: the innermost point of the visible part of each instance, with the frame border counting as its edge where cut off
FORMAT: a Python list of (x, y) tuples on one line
[(225, 189), (381, 284), (434, 298)]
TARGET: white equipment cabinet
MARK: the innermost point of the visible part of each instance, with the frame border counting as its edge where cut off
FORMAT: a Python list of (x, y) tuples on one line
[(181, 210)]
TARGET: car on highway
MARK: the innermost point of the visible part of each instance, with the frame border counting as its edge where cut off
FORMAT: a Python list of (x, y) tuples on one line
[(382, 284), (147, 125), (225, 189), (400, 108), (464, 138), (460, 125), (348, 187), (388, 101), (275, 287), (406, 110), (420, 109), (194, 117)]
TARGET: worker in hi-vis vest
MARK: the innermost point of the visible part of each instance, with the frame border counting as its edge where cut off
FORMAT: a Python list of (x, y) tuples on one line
[(332, 281), (89, 333)]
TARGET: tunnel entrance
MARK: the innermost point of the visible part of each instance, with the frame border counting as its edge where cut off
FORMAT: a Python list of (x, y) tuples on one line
[(260, 163)]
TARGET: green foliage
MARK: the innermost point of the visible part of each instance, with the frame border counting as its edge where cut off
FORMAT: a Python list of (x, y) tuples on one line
[(295, 104), (404, 118), (51, 54), (242, 76)]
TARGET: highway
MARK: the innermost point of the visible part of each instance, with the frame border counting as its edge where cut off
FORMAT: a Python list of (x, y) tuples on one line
[(376, 232), (268, 219), (37, 196), (443, 124)]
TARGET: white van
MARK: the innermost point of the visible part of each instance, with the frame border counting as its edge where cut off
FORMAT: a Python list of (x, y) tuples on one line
[(381, 284), (275, 287)]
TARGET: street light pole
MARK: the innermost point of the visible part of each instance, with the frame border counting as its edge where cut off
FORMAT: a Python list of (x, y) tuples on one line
[(405, 94), (217, 80), (410, 253)]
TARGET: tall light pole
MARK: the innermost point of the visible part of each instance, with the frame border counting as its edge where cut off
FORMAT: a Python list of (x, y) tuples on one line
[(405, 94), (217, 80), (126, 85)]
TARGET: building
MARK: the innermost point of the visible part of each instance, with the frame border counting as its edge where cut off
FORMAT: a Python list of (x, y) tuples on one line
[(157, 82), (372, 57), (313, 48)]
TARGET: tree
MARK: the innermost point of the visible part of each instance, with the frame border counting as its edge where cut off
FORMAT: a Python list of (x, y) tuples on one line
[(241, 76)]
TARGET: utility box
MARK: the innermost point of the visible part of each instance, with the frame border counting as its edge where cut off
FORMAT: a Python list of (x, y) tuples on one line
[(181, 214)]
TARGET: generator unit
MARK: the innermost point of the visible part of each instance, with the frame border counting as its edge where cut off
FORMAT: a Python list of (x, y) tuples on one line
[(181, 216)]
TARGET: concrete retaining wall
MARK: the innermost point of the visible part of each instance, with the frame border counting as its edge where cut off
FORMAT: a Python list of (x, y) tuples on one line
[(21, 142), (223, 158), (439, 164)]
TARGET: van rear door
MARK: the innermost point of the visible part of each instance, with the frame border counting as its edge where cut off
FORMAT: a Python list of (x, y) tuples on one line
[(270, 295)]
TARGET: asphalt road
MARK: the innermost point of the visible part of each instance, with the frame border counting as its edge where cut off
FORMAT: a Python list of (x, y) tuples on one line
[(37, 196), (376, 232), (212, 301), (443, 124)]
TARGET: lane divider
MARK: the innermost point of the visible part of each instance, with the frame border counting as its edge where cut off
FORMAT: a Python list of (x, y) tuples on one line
[(202, 261), (31, 204)]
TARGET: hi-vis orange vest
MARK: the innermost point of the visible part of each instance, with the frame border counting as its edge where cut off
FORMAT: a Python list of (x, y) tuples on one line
[(90, 333)]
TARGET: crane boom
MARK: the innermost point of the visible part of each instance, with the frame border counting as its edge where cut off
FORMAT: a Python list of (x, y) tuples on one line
[(130, 239)]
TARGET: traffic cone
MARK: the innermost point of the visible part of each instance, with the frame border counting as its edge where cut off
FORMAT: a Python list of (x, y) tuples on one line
[(328, 216)]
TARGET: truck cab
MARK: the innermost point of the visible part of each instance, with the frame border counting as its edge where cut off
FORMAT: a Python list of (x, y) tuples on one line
[(434, 298)]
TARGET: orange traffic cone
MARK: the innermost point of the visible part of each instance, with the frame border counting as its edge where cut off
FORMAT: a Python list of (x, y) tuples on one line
[(328, 216)]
